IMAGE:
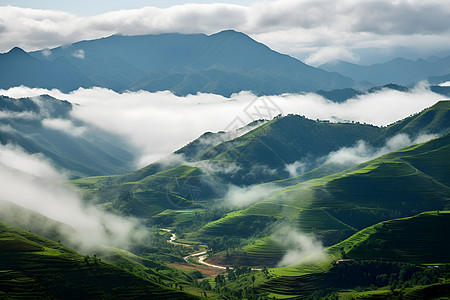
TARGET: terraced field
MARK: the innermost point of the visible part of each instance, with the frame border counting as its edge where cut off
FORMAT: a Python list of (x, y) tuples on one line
[(422, 239), (416, 240), (336, 206), (33, 267)]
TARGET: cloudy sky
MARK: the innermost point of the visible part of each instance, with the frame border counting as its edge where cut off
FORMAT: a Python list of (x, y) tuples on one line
[(315, 31)]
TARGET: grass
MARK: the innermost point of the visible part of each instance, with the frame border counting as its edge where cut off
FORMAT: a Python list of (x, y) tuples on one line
[(34, 267), (420, 240), (336, 206)]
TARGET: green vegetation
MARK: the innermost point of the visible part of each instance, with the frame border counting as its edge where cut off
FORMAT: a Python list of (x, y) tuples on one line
[(393, 258), (334, 207), (371, 216), (34, 267)]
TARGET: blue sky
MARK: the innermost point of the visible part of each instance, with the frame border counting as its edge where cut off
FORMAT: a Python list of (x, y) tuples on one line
[(358, 31)]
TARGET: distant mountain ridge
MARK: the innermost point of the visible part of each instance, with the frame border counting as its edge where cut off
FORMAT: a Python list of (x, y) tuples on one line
[(398, 71), (37, 126), (223, 63)]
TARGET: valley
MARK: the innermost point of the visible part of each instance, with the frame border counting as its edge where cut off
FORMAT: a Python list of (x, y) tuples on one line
[(291, 235), (204, 164)]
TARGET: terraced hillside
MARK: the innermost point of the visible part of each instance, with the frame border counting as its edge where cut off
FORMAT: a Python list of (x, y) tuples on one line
[(33, 267), (396, 249), (421, 239), (258, 156), (338, 205)]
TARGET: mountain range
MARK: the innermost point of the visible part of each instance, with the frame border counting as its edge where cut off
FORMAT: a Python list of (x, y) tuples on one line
[(223, 63), (284, 208), (397, 71), (44, 125)]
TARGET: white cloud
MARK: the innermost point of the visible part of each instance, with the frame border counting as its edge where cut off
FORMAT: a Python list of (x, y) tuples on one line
[(160, 123), (46, 52), (297, 245), (296, 168), (331, 53), (64, 125), (30, 181), (26, 115), (301, 28), (362, 152), (241, 197), (78, 53), (447, 83)]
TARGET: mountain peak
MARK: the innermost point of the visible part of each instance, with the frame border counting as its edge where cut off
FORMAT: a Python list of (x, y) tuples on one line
[(230, 33), (17, 51)]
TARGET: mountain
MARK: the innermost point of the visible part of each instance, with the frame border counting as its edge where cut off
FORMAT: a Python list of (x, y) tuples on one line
[(265, 154), (342, 95), (399, 258), (417, 239), (399, 184), (19, 68), (44, 125), (399, 71), (223, 63), (33, 267)]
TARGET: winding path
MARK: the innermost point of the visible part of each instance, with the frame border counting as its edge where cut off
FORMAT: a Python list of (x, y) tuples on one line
[(201, 255)]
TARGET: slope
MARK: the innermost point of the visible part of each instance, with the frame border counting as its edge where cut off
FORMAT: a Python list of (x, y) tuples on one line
[(335, 206), (381, 258), (261, 155), (256, 157), (19, 68), (33, 267), (44, 125)]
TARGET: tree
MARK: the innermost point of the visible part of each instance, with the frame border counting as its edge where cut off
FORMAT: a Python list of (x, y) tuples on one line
[(253, 280)]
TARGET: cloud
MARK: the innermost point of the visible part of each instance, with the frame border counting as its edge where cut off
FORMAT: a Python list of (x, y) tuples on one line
[(30, 181), (25, 115), (241, 197), (78, 53), (64, 125), (301, 28), (296, 168), (331, 53), (447, 83), (297, 245), (46, 52), (362, 152), (160, 123)]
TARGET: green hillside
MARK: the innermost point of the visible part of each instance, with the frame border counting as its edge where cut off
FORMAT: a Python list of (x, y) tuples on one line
[(420, 239), (258, 156), (385, 259), (34, 267), (95, 152), (338, 205)]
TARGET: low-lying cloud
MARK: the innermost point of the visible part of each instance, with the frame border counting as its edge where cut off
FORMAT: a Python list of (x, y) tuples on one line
[(161, 122), (241, 197), (30, 181), (64, 125), (297, 246), (361, 152)]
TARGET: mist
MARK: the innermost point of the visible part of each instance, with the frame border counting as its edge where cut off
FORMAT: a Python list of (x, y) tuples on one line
[(30, 181), (161, 122), (297, 246), (241, 197), (362, 151)]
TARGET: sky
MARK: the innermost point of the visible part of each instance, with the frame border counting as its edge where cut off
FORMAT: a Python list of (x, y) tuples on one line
[(315, 31)]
